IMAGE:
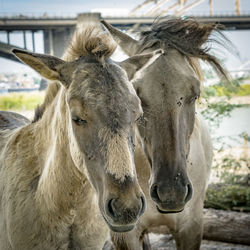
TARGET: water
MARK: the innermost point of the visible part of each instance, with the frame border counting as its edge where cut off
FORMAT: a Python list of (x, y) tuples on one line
[(231, 127)]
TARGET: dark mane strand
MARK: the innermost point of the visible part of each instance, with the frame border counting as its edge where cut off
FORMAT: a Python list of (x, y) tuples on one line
[(51, 92), (189, 37)]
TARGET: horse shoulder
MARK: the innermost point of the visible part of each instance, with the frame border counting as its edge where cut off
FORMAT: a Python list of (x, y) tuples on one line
[(18, 181)]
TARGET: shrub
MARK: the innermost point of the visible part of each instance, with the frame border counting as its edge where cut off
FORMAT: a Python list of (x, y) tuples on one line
[(228, 197), (21, 101)]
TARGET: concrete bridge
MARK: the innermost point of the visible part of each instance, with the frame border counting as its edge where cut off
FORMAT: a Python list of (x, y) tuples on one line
[(57, 31)]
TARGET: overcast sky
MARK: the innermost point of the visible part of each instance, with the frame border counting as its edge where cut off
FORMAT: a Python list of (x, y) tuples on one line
[(71, 7), (76, 6)]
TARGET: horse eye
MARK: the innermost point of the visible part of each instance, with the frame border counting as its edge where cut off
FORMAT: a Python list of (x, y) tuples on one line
[(194, 98), (78, 121), (139, 119)]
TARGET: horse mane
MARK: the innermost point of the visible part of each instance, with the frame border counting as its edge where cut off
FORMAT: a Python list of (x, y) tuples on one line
[(90, 42), (190, 37), (51, 93)]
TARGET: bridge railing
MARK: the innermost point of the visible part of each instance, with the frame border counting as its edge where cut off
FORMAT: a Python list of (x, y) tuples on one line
[(73, 15), (38, 15), (57, 30)]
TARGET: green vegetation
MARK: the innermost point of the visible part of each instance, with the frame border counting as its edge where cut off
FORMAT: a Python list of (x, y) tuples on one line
[(21, 101), (228, 197), (231, 90), (233, 190)]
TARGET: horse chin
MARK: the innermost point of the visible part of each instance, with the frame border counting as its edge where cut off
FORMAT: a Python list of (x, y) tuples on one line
[(168, 211), (121, 229)]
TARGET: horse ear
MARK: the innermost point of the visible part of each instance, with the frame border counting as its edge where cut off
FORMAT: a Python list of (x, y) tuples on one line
[(46, 65), (129, 45), (137, 63)]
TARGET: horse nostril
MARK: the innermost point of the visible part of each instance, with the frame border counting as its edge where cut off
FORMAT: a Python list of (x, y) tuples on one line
[(124, 211), (110, 208), (143, 205), (189, 193), (154, 193)]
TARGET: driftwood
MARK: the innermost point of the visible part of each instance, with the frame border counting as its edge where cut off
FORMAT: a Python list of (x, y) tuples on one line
[(227, 226), (224, 226), (166, 242)]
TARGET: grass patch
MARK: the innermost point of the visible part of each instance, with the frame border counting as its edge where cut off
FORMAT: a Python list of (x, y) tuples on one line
[(21, 101), (244, 90), (219, 90)]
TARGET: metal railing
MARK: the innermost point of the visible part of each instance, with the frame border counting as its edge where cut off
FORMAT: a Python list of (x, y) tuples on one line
[(73, 15)]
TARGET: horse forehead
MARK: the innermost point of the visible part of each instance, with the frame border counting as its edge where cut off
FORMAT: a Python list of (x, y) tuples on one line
[(107, 69), (171, 74), (110, 102), (176, 66), (113, 95), (106, 77)]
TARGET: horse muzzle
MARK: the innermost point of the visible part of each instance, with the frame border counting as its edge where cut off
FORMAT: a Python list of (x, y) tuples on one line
[(170, 199), (121, 216)]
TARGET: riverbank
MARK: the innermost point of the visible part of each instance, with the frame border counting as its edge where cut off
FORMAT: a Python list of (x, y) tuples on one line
[(243, 100), (21, 101)]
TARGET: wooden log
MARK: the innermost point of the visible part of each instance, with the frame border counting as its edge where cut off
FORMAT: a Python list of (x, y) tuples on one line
[(221, 225), (227, 226), (166, 242)]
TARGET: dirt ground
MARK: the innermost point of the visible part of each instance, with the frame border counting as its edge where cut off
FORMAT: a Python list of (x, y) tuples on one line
[(232, 100)]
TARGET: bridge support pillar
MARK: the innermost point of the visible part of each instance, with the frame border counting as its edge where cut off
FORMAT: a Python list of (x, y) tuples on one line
[(88, 19), (8, 37), (56, 40), (24, 39), (33, 41)]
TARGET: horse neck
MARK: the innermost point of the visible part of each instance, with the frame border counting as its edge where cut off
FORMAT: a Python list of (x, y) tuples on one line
[(60, 182)]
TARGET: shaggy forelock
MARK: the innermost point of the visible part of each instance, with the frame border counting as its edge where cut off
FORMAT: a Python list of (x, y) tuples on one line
[(189, 37), (90, 42)]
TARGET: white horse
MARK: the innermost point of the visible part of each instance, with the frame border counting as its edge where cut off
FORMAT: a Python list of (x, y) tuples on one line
[(174, 151)]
